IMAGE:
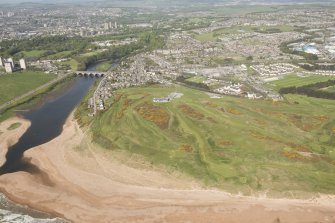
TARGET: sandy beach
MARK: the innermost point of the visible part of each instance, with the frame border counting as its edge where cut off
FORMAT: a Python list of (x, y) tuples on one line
[(74, 179)]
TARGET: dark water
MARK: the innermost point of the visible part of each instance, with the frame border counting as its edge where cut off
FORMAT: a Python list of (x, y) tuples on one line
[(46, 124)]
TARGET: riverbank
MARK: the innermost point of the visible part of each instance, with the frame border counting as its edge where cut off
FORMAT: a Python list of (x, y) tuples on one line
[(77, 180), (31, 98)]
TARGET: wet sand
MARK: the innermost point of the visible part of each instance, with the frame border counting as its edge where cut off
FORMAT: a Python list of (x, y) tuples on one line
[(71, 178)]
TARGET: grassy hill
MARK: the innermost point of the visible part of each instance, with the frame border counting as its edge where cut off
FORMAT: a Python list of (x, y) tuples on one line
[(233, 143)]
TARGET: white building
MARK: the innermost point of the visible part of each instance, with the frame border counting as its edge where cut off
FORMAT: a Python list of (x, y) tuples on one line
[(8, 67), (106, 26), (23, 64), (10, 60)]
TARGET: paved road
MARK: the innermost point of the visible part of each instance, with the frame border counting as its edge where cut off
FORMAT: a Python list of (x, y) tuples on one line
[(32, 91)]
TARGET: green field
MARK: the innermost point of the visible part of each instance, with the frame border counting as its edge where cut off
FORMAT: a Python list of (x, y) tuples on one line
[(241, 10), (32, 53), (294, 80), (274, 29), (104, 66), (213, 36), (91, 53), (72, 63), (19, 83), (232, 143), (197, 79), (63, 54)]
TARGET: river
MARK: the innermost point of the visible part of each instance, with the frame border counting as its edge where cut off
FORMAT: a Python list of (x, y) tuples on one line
[(47, 120)]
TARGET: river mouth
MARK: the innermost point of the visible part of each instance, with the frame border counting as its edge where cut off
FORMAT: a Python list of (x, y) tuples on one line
[(47, 122)]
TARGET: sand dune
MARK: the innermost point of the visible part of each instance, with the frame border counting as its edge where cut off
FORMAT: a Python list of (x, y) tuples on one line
[(76, 180)]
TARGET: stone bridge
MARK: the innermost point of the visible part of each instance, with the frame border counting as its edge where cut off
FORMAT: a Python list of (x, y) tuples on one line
[(90, 73)]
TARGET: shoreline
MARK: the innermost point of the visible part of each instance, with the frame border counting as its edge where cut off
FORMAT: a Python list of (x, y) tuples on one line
[(79, 182)]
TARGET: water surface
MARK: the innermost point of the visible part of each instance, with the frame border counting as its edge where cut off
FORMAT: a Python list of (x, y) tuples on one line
[(47, 123)]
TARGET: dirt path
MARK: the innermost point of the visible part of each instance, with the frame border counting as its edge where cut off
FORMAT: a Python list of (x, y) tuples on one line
[(76, 180)]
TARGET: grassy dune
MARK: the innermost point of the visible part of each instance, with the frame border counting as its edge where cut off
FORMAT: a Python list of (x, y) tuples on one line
[(233, 143)]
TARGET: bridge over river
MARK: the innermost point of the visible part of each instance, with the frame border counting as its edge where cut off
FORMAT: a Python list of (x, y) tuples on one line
[(90, 73)]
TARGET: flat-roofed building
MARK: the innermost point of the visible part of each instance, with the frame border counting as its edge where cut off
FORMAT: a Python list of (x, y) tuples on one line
[(8, 67), (23, 64), (10, 60)]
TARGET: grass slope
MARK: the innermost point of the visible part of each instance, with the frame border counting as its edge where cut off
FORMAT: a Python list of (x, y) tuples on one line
[(233, 143), (19, 83)]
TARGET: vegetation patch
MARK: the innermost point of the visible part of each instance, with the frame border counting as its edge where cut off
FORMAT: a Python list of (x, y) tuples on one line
[(154, 114), (19, 83), (14, 126), (211, 104), (233, 111), (297, 81), (312, 90), (224, 142), (306, 124), (186, 148), (191, 112)]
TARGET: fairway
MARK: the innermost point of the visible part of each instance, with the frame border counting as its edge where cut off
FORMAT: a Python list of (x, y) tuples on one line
[(19, 83), (232, 143), (294, 80)]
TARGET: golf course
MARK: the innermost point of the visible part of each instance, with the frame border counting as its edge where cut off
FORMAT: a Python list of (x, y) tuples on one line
[(236, 144)]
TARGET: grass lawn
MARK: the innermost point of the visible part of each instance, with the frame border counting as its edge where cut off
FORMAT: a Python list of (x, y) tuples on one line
[(294, 80), (329, 89), (213, 36), (63, 54), (72, 63), (197, 79), (104, 66), (32, 53), (274, 29), (241, 10), (19, 83), (205, 37), (91, 53), (232, 143)]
